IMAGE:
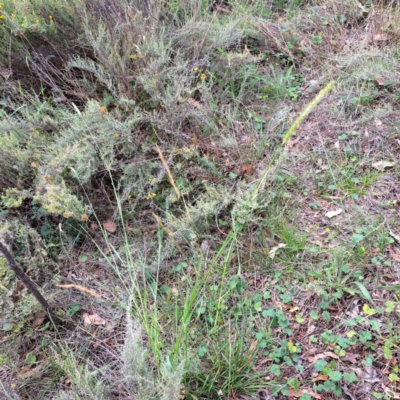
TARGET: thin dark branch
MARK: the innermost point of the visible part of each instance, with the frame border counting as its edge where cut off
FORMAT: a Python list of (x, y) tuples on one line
[(31, 286)]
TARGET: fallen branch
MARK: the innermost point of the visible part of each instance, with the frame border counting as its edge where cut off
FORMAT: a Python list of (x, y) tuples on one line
[(30, 285), (82, 289)]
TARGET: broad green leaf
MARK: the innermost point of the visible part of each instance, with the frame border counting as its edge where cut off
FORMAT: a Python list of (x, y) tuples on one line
[(320, 365), (275, 370), (364, 291), (389, 306), (350, 377), (335, 376)]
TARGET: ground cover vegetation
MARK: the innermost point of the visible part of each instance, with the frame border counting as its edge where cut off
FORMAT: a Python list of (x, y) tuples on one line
[(193, 241)]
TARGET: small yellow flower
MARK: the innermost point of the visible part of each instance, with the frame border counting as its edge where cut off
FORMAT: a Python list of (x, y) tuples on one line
[(195, 69), (37, 21), (150, 196), (129, 196), (102, 110), (68, 214), (203, 76), (2, 16), (13, 15), (116, 135), (50, 16), (327, 230)]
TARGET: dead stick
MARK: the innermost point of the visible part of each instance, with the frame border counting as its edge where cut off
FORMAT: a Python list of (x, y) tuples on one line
[(31, 286)]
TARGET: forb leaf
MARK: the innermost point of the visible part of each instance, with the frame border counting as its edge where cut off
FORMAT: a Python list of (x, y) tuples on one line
[(335, 376), (368, 310), (364, 291)]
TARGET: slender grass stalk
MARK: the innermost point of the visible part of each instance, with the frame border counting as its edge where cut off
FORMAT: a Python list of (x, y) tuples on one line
[(310, 106), (171, 178)]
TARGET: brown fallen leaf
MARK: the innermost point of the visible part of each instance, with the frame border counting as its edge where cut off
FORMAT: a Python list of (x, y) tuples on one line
[(320, 378), (394, 236), (27, 371), (351, 358), (368, 375), (386, 370), (17, 292), (93, 319), (82, 289), (110, 226), (394, 254), (38, 320), (129, 228), (292, 142), (310, 392), (322, 356), (331, 214), (194, 103), (219, 8), (382, 165), (247, 169)]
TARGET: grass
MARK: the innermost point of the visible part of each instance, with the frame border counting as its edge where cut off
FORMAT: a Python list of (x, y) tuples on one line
[(177, 165)]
